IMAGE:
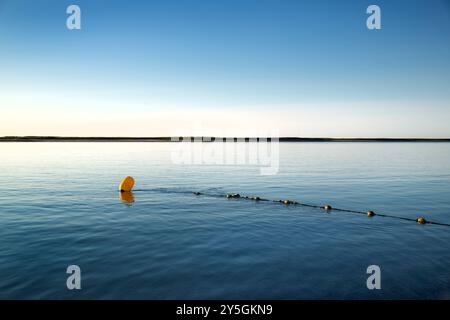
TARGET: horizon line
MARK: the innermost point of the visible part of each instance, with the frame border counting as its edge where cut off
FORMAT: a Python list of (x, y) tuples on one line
[(208, 139)]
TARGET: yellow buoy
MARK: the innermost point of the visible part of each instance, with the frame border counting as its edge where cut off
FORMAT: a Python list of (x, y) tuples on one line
[(127, 184), (370, 213), (328, 207)]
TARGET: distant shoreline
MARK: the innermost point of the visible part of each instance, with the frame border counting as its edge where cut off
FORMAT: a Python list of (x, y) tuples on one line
[(169, 139)]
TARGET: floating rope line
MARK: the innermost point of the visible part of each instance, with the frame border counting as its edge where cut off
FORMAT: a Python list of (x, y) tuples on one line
[(327, 207), (128, 183)]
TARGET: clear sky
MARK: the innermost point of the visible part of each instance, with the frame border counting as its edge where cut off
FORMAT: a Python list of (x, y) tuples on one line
[(225, 67)]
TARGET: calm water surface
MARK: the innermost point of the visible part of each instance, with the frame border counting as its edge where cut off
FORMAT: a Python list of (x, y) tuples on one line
[(59, 206)]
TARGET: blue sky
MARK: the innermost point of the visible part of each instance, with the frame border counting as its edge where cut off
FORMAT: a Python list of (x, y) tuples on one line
[(299, 68)]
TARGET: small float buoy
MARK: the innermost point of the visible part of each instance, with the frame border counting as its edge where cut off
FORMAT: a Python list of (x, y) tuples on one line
[(328, 207), (370, 213), (197, 193), (421, 220), (256, 198), (233, 195), (127, 184), (287, 201)]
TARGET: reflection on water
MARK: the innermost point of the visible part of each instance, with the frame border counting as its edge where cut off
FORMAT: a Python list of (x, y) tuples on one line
[(126, 197), (59, 207)]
